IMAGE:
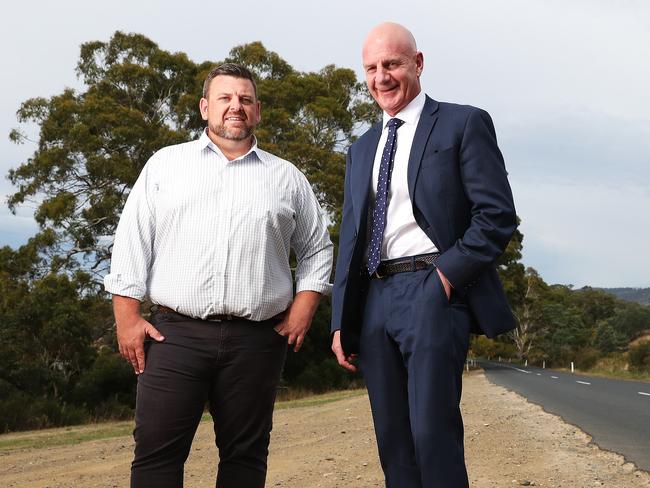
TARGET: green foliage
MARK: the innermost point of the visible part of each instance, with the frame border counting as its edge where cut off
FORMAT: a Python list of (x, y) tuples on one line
[(107, 388), (560, 325), (314, 367), (640, 357), (609, 337), (631, 319), (48, 323), (512, 272), (587, 358), (491, 349)]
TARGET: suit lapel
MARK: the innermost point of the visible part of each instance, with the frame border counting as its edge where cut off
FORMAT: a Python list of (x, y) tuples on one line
[(362, 175), (422, 132)]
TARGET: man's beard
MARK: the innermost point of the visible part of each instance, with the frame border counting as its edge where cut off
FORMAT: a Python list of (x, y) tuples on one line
[(233, 134)]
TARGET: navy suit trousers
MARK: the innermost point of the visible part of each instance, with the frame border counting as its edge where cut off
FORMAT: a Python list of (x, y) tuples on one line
[(414, 343)]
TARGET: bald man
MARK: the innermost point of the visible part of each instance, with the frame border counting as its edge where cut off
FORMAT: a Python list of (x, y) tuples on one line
[(427, 212)]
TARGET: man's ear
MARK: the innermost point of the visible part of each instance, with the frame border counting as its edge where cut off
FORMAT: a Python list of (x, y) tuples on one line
[(259, 111), (419, 62), (203, 108)]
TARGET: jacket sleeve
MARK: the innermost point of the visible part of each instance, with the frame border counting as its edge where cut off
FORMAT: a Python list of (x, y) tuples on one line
[(347, 239), (493, 218)]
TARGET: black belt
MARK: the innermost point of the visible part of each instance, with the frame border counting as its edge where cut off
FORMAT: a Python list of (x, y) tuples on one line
[(214, 317), (403, 265)]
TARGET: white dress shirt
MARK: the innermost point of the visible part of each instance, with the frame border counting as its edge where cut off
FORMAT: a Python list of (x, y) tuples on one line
[(203, 235), (402, 236)]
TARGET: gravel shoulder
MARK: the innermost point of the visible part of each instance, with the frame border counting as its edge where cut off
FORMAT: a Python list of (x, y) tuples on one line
[(509, 442)]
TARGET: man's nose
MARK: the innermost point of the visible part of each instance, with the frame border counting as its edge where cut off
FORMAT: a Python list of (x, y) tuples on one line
[(235, 104), (381, 75)]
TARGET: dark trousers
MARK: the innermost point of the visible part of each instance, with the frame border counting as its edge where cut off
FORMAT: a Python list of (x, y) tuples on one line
[(413, 346), (233, 365)]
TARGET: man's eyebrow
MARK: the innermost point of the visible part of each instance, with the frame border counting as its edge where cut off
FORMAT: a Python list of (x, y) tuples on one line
[(230, 94)]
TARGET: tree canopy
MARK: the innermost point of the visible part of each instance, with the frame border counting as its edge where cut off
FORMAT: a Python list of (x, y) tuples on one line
[(139, 98)]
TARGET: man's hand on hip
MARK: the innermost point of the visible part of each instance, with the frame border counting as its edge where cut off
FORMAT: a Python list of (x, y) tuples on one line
[(132, 330), (445, 283), (298, 318)]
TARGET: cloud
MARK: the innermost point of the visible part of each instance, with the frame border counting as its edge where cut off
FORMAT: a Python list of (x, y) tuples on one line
[(585, 234), (584, 146)]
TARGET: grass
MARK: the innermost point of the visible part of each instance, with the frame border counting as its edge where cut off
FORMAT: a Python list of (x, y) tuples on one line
[(616, 374), (41, 439)]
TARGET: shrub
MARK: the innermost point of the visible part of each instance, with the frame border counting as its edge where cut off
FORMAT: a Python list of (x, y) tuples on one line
[(639, 357)]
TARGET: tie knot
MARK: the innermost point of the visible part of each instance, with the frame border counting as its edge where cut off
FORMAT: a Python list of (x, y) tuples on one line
[(394, 123)]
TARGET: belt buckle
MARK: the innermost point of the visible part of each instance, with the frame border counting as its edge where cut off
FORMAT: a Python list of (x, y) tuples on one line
[(377, 275)]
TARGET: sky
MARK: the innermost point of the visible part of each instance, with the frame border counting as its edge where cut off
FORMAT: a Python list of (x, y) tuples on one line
[(566, 84)]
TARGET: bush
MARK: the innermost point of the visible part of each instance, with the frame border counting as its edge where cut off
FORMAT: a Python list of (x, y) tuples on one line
[(20, 411), (324, 376), (587, 358), (639, 357), (484, 347), (108, 387)]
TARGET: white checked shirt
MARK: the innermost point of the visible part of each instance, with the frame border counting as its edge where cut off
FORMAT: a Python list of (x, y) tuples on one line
[(203, 235)]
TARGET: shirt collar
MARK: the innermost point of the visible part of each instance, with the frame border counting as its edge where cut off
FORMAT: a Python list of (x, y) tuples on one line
[(205, 142), (411, 113)]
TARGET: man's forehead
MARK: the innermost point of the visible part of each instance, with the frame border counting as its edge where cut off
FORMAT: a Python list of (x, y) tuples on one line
[(383, 55), (231, 84)]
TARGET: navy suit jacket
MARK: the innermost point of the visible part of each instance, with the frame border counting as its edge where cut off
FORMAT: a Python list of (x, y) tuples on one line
[(462, 201)]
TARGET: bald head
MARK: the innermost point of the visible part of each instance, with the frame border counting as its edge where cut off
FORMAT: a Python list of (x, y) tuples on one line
[(393, 65), (391, 33)]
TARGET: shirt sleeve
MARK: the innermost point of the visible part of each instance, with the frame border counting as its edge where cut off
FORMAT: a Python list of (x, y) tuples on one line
[(133, 243), (311, 242)]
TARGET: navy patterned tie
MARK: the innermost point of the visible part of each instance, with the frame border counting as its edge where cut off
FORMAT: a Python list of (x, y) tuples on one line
[(381, 201)]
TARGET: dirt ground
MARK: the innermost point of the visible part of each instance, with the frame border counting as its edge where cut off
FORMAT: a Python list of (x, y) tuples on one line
[(509, 442)]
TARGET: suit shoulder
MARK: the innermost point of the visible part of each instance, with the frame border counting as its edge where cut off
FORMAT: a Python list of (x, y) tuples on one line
[(367, 136), (459, 109)]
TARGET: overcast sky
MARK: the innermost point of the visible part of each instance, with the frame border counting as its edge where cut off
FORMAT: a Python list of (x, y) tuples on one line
[(565, 82)]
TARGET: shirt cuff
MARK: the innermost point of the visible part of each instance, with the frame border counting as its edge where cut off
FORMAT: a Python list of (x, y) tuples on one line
[(310, 285), (124, 285)]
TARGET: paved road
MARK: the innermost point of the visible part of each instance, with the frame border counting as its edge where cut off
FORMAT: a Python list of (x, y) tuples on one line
[(615, 413)]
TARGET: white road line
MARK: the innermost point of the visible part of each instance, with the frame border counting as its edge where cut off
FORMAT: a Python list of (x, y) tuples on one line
[(554, 377), (539, 374), (644, 393), (583, 382), (523, 370)]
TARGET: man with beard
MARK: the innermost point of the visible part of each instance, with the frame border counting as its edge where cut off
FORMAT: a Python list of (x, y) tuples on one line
[(428, 210), (206, 234)]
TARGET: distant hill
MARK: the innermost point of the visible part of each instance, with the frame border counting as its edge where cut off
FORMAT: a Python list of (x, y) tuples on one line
[(639, 295)]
